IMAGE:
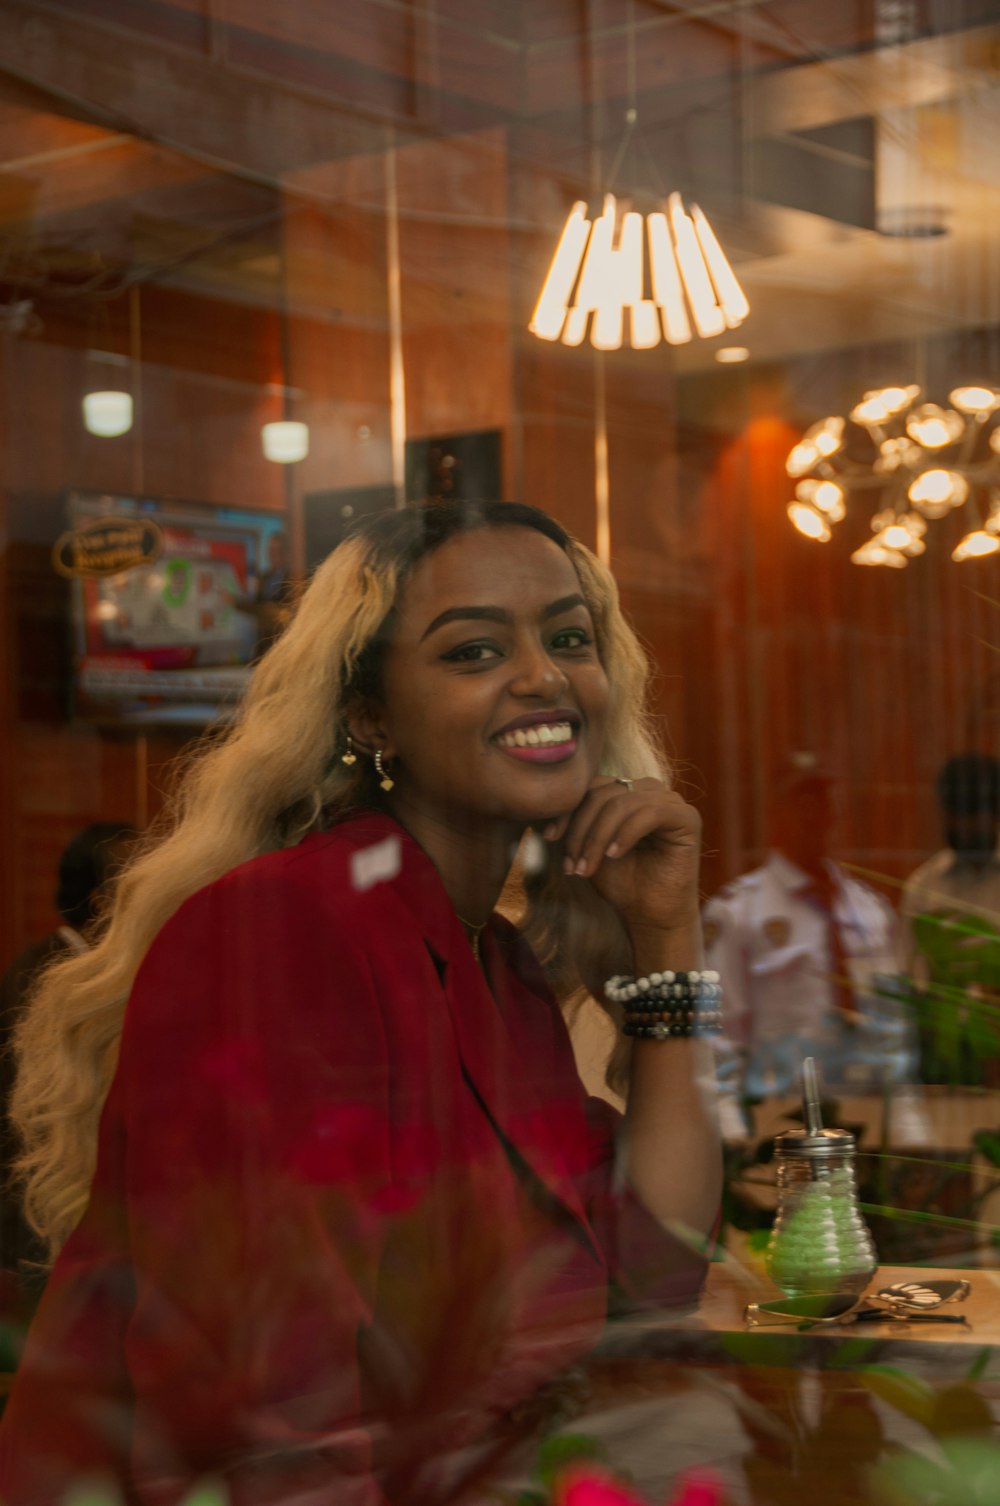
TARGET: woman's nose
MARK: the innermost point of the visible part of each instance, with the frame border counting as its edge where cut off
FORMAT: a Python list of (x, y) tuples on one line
[(537, 674)]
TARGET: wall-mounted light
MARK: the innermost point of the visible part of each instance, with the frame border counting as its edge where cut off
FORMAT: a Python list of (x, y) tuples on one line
[(107, 414), (285, 441)]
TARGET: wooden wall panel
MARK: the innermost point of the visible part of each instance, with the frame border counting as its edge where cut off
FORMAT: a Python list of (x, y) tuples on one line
[(455, 258), (203, 398)]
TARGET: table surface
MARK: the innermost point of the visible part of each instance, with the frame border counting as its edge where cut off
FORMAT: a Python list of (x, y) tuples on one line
[(731, 1285), (715, 1332)]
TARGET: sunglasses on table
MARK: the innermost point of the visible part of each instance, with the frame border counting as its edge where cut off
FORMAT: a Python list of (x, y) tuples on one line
[(904, 1301)]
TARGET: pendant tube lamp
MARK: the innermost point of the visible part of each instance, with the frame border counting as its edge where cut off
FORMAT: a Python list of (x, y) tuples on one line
[(666, 270)]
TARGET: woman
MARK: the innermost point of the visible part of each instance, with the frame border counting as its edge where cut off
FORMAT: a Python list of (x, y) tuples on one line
[(350, 1205)]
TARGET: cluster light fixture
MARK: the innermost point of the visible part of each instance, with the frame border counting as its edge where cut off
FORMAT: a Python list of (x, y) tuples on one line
[(919, 460), (665, 271)]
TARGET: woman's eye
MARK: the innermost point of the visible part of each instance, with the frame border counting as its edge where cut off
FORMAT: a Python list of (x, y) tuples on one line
[(471, 653), (572, 638)]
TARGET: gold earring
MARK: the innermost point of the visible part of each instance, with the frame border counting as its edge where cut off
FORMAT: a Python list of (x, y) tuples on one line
[(385, 781), (349, 756)]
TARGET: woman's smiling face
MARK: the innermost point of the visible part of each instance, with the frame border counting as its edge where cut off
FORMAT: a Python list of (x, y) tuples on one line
[(494, 698)]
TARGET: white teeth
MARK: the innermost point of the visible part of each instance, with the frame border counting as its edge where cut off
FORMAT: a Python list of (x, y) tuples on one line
[(543, 736)]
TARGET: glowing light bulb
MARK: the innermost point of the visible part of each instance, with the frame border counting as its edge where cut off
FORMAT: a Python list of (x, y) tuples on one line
[(622, 285), (732, 299), (801, 458), (596, 288), (895, 452), (708, 316), (827, 496), (550, 310), (934, 427), (974, 400), (882, 403), (904, 533), (285, 442), (107, 414), (937, 488), (809, 522), (873, 553), (667, 290), (827, 436), (975, 545)]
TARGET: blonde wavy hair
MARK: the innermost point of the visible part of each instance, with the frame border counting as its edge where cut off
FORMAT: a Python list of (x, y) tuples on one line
[(267, 781)]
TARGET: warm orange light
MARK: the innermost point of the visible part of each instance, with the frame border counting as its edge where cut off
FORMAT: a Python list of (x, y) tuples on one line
[(732, 299), (550, 310), (809, 522), (873, 553), (826, 496), (939, 488), (974, 400), (976, 545), (934, 427)]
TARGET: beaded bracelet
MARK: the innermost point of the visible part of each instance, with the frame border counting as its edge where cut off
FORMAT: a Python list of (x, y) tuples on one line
[(669, 1005)]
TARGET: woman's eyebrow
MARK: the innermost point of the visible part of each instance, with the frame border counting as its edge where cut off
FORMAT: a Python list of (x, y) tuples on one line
[(499, 614), (457, 614)]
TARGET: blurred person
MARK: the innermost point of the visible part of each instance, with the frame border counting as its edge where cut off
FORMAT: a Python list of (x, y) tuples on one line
[(87, 865), (352, 1212), (798, 944), (950, 928)]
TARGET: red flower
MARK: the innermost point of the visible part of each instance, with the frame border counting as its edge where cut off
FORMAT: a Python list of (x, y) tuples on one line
[(589, 1485)]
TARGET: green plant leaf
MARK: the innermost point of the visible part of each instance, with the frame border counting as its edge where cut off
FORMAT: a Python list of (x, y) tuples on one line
[(960, 1411), (987, 1143), (910, 1479), (898, 1389), (851, 1353), (975, 1466), (556, 1454)]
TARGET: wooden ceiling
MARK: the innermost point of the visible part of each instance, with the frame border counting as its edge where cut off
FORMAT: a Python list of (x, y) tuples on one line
[(164, 140)]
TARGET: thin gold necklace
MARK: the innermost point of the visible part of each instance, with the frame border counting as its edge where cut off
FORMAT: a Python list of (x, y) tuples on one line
[(474, 934)]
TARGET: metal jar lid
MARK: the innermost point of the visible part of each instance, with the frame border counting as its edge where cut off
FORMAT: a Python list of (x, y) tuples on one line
[(816, 1144)]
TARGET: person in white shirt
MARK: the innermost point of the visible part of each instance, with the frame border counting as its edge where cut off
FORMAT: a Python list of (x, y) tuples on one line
[(806, 956), (950, 928)]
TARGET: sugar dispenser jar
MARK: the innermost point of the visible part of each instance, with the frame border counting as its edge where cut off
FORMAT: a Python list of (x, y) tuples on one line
[(819, 1242)]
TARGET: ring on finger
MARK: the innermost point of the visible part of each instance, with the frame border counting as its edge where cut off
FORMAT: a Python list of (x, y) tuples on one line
[(619, 779)]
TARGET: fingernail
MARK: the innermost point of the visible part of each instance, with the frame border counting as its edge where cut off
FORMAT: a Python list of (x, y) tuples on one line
[(613, 850), (568, 866), (581, 867)]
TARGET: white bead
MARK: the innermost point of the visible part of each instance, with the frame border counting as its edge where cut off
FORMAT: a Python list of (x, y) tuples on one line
[(694, 977), (656, 979), (669, 977)]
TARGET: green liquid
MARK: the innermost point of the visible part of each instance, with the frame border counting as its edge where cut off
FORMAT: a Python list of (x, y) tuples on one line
[(819, 1242)]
